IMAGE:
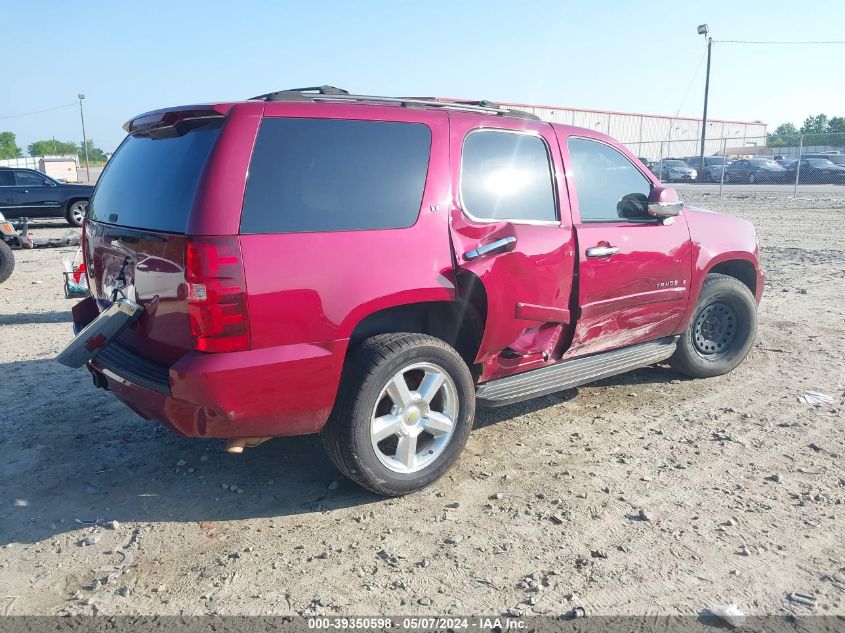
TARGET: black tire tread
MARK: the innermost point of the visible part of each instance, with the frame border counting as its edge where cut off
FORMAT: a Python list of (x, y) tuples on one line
[(681, 361), (7, 261), (361, 366)]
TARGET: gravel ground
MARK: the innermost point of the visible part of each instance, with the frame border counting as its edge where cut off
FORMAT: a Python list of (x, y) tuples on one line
[(644, 494)]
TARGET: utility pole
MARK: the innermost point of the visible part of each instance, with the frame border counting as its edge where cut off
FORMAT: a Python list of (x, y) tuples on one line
[(84, 139), (704, 30)]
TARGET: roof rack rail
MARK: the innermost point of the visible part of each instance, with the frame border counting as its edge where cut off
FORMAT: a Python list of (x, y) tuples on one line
[(331, 93), (297, 94)]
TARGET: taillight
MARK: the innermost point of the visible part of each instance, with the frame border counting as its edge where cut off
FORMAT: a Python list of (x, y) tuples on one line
[(217, 303)]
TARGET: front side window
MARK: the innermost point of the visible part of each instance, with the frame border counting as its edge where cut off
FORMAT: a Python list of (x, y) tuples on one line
[(28, 179), (507, 176), (310, 175), (609, 186)]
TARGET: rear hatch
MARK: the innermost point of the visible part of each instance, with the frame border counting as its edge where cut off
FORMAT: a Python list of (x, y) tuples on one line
[(135, 242)]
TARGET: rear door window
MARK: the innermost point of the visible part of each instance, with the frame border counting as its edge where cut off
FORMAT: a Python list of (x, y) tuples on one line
[(152, 179), (507, 176), (310, 175), (608, 185)]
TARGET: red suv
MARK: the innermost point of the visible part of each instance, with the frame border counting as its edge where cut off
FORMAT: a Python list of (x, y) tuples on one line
[(370, 268)]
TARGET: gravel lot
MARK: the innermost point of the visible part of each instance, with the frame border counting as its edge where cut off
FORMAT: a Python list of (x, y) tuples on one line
[(742, 484)]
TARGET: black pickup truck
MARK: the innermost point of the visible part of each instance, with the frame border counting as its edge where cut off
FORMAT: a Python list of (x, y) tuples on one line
[(29, 193)]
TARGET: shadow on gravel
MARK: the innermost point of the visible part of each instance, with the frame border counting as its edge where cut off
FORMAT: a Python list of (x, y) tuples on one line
[(25, 318), (74, 452), (657, 374)]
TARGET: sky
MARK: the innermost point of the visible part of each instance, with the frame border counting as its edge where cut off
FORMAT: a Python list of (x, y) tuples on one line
[(131, 57)]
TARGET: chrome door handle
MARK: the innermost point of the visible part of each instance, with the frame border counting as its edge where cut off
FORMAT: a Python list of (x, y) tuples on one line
[(488, 249), (602, 251)]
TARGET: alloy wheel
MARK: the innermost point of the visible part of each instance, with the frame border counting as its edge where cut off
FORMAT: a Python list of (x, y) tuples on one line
[(78, 210), (414, 417)]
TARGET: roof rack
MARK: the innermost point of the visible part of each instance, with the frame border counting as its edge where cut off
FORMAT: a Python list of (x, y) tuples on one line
[(331, 93)]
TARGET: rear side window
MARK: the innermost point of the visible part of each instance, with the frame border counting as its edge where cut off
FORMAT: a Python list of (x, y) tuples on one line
[(151, 181), (507, 176), (310, 175), (7, 178)]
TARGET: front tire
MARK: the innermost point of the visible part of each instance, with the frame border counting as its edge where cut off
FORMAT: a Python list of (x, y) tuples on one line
[(403, 413), (7, 261), (721, 331), (76, 211)]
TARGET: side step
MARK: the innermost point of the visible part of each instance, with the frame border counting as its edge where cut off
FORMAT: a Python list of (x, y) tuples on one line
[(572, 373)]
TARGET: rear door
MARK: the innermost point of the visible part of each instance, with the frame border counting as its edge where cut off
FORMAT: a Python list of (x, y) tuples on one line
[(135, 233), (511, 229), (633, 271)]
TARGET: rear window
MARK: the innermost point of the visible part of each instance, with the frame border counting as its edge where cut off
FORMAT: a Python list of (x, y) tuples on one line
[(151, 181), (310, 175)]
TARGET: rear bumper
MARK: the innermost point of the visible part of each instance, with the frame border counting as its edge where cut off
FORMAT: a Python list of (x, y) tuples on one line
[(275, 391)]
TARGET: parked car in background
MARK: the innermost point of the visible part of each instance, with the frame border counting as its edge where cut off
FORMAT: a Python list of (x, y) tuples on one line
[(752, 170), (713, 166), (29, 193), (834, 157), (675, 170), (382, 269), (815, 171)]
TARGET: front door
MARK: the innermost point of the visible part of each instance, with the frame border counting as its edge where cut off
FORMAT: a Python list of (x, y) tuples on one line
[(511, 230), (8, 194), (36, 194), (633, 270)]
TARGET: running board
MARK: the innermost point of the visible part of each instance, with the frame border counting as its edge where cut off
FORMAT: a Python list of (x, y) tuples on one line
[(573, 373)]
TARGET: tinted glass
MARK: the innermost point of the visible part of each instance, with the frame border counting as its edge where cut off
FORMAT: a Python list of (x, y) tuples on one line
[(312, 175), (7, 178), (151, 181), (29, 179), (507, 176), (609, 187)]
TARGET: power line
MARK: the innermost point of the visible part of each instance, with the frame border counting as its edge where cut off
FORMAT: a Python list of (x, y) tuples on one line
[(778, 43), (15, 116), (689, 87)]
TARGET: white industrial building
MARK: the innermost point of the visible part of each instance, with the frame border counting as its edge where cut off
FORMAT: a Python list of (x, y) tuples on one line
[(654, 136)]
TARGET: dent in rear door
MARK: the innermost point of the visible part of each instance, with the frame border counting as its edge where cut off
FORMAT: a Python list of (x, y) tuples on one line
[(508, 200)]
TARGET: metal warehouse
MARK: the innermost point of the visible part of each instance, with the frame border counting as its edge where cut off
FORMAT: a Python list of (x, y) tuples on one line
[(654, 136)]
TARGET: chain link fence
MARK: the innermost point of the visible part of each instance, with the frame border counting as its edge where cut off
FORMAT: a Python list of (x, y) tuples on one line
[(800, 162)]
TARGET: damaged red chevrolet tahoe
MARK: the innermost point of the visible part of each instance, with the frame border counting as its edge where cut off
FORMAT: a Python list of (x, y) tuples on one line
[(370, 268)]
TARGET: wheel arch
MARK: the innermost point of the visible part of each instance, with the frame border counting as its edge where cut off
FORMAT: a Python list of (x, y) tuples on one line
[(741, 269), (459, 322)]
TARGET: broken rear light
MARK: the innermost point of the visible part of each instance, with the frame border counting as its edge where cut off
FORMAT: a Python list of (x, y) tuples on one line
[(217, 303)]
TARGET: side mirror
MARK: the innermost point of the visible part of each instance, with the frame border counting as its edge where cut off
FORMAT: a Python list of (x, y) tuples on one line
[(663, 203), (49, 183)]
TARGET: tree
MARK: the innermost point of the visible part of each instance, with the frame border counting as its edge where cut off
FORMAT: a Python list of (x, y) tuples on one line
[(784, 134), (836, 125), (52, 147), (815, 124), (8, 147), (95, 154)]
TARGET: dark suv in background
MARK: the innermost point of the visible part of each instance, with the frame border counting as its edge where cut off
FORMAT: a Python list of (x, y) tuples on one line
[(29, 193)]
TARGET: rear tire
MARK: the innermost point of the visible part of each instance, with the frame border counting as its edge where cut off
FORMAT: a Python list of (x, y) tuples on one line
[(7, 261), (721, 331), (403, 413), (76, 211)]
